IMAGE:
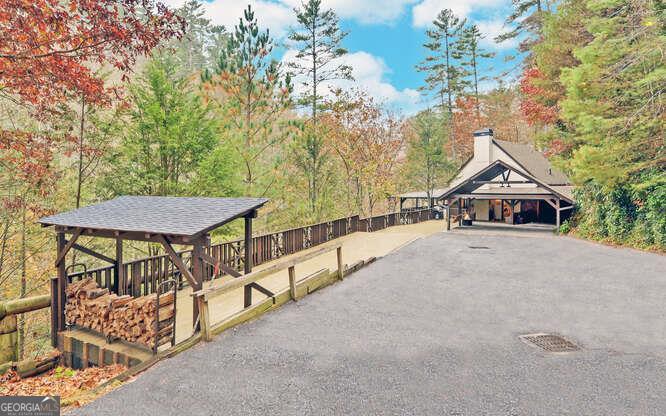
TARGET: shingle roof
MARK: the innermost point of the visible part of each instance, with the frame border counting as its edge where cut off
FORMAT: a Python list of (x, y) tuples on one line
[(182, 216), (533, 162)]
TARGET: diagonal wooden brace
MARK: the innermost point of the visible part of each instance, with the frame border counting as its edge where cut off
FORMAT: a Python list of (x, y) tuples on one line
[(177, 260)]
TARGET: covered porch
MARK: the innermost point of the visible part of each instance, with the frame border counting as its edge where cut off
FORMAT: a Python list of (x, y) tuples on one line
[(495, 195)]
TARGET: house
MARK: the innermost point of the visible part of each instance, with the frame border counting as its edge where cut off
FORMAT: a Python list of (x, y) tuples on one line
[(504, 181)]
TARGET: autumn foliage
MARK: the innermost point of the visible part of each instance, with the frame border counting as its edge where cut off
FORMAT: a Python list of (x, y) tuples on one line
[(50, 48), (533, 108)]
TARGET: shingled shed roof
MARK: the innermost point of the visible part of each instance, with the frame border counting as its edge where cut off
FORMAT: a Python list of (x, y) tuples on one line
[(180, 216)]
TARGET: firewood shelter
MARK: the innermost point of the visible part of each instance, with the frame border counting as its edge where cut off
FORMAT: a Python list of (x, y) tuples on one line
[(167, 221)]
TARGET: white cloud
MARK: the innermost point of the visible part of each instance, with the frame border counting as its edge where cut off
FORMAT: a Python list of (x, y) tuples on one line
[(427, 10), (364, 11), (278, 15), (369, 73), (491, 29), (275, 16)]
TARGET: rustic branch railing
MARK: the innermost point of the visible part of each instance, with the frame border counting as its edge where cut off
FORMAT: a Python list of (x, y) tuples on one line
[(203, 296), (145, 275)]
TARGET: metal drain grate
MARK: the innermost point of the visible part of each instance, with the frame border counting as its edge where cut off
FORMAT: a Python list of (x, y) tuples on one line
[(550, 342), (479, 247)]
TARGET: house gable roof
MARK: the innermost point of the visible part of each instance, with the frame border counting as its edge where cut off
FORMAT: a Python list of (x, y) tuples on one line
[(533, 162)]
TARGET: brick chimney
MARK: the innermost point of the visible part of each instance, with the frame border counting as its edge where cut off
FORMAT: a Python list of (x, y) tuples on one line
[(483, 146)]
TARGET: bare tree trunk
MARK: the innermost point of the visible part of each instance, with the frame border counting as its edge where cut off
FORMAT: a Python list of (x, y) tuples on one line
[(21, 317)]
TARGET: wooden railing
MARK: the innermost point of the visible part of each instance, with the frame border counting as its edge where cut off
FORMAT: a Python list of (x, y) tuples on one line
[(146, 274), (203, 296)]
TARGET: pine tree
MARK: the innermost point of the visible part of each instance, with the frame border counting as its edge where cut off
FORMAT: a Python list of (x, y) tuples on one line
[(471, 53), (319, 39), (443, 76), (254, 94), (526, 19)]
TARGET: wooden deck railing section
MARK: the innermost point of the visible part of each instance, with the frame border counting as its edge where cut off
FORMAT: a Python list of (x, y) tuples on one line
[(146, 274), (205, 295)]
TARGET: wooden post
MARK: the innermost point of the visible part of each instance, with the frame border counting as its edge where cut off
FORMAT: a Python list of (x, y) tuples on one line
[(204, 317), (54, 312), (557, 216), (119, 281), (448, 217), (341, 267), (62, 284), (197, 274), (248, 259), (292, 283), (402, 202)]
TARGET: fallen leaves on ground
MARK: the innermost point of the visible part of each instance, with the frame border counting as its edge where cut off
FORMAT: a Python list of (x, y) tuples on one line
[(61, 381)]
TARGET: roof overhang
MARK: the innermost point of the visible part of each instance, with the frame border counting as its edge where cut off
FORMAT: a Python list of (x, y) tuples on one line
[(467, 188)]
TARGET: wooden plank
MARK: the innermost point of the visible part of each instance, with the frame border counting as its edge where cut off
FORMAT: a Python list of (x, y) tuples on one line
[(292, 283), (84, 355), (204, 318), (214, 291), (62, 252)]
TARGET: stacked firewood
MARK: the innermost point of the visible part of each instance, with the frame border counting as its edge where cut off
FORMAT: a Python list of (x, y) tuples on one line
[(124, 317)]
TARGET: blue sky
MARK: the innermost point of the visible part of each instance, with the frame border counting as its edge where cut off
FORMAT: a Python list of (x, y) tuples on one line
[(385, 39)]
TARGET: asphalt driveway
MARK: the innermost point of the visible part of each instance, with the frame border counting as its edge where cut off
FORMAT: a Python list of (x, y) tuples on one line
[(433, 330)]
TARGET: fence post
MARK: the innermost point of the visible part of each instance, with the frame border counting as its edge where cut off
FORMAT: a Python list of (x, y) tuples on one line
[(204, 318), (292, 283), (341, 271)]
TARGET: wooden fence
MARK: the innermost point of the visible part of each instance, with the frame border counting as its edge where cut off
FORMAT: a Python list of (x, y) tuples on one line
[(145, 275)]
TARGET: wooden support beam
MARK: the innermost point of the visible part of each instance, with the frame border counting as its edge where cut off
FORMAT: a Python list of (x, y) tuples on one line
[(247, 291), (119, 281), (68, 245), (62, 284), (261, 289), (175, 258), (93, 253), (228, 270), (557, 209), (54, 312), (341, 267), (551, 203), (197, 275)]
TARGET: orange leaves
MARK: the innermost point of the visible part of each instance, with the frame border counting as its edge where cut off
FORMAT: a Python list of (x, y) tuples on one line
[(48, 45), (60, 381), (533, 104)]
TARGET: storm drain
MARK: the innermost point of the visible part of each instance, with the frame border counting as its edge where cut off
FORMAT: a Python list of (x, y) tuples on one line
[(550, 342), (479, 247)]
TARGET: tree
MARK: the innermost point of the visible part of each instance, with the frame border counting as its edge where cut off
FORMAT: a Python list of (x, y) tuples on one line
[(597, 88), (368, 140), (318, 39), (427, 164), (471, 53), (170, 131), (48, 47), (443, 77), (202, 43), (254, 96), (525, 20)]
